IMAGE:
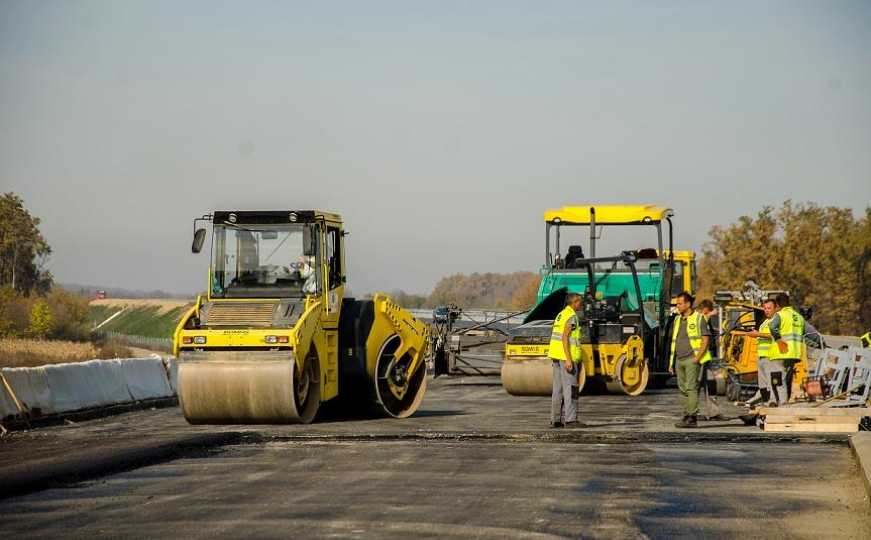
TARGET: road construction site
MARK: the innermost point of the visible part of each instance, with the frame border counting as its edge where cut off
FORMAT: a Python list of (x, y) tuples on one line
[(288, 408), (472, 462)]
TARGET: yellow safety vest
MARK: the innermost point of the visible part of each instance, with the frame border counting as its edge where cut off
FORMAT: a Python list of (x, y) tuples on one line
[(694, 332), (791, 333), (764, 344), (555, 350)]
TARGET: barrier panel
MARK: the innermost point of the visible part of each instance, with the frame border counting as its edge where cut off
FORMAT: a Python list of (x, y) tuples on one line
[(59, 388), (146, 378), (7, 404), (172, 372), (31, 387)]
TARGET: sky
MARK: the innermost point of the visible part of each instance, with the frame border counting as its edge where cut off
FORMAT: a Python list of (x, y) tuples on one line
[(440, 131)]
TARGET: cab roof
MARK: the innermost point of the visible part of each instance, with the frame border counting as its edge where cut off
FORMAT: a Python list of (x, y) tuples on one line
[(272, 216), (608, 214)]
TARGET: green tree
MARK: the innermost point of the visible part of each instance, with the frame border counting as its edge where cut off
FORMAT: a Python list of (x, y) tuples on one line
[(814, 252), (40, 320), (23, 249)]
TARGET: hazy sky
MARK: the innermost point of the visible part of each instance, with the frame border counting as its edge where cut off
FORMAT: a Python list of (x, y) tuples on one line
[(440, 130)]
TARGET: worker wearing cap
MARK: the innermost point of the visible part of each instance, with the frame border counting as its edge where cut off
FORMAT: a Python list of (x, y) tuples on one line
[(689, 351), (565, 352), (764, 346), (787, 330), (707, 384)]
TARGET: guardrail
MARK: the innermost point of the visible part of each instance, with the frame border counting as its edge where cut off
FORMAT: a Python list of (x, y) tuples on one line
[(142, 342)]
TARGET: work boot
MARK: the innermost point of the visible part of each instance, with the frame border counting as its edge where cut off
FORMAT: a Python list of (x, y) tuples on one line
[(688, 421), (556, 425), (714, 418)]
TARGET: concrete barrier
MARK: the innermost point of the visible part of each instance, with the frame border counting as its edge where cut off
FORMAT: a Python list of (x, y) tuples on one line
[(31, 387), (172, 371), (7, 404), (146, 378), (61, 388)]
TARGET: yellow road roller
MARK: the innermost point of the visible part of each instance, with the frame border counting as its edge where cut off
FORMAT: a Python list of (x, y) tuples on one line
[(274, 337), (625, 299)]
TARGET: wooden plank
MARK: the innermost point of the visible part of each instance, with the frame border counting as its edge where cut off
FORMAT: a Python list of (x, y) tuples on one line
[(800, 419), (821, 428), (857, 412)]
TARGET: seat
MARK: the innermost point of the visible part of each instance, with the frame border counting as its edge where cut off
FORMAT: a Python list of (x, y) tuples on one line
[(574, 254)]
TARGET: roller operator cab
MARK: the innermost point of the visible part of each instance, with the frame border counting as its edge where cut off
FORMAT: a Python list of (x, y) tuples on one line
[(273, 337), (625, 298)]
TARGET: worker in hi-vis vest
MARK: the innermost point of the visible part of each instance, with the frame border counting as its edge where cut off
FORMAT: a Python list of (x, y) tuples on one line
[(764, 346), (787, 329), (565, 352), (689, 350)]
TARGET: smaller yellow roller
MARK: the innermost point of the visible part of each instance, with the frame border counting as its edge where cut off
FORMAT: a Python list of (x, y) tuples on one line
[(531, 376), (273, 337)]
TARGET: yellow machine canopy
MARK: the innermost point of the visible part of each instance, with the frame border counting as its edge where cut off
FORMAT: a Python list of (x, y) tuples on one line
[(608, 214)]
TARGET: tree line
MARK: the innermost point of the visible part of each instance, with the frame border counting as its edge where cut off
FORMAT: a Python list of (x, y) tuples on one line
[(820, 254)]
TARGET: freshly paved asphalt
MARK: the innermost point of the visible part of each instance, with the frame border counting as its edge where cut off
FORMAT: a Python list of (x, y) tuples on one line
[(474, 462)]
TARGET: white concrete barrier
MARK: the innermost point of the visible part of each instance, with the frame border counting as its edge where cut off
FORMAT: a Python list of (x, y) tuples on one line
[(31, 387), (146, 378), (172, 370), (7, 404), (59, 388), (82, 385)]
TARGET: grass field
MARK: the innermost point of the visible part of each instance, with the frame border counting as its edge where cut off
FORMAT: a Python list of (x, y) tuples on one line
[(32, 352), (147, 318)]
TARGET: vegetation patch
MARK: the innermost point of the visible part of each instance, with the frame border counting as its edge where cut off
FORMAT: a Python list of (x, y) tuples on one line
[(36, 352), (145, 319)]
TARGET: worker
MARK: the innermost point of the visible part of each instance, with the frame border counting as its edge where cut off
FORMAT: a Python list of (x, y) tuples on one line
[(709, 312), (787, 328), (689, 350), (307, 272), (764, 345), (565, 352), (707, 383)]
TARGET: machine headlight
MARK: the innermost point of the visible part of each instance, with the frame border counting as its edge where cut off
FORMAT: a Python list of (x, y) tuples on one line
[(276, 339), (199, 340)]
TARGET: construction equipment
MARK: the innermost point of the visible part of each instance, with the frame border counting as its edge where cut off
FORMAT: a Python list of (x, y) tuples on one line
[(273, 337), (461, 343), (625, 298), (735, 367)]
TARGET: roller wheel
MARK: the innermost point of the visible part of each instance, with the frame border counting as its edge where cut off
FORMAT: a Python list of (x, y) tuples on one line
[(629, 379), (582, 379), (307, 389), (721, 383), (389, 368)]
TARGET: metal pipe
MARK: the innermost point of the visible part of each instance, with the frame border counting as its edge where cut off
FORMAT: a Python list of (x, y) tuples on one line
[(558, 252), (547, 245), (592, 232)]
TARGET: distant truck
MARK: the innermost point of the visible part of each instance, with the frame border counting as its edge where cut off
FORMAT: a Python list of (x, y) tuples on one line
[(100, 295)]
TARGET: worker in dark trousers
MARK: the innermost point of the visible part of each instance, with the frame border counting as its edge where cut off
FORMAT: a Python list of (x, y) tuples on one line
[(689, 351), (565, 352), (707, 384)]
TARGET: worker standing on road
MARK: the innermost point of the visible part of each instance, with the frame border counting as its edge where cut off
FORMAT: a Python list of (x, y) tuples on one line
[(565, 352), (707, 384), (689, 350), (787, 328), (764, 345)]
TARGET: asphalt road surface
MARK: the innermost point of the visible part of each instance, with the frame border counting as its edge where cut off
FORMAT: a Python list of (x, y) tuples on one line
[(473, 463)]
